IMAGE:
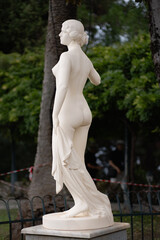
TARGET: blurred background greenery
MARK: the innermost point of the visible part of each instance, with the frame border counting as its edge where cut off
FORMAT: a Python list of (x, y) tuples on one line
[(119, 47)]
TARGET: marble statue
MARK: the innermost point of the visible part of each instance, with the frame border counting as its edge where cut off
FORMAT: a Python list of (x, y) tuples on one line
[(71, 121)]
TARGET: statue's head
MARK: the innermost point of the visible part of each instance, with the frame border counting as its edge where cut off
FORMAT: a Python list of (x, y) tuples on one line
[(75, 31)]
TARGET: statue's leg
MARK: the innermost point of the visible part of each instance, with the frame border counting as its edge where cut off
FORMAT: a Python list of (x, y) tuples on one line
[(88, 200), (75, 174), (80, 140), (74, 185)]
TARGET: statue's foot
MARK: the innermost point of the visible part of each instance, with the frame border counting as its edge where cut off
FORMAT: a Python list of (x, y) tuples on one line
[(78, 210)]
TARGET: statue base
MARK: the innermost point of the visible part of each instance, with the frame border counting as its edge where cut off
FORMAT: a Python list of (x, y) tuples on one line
[(57, 221), (117, 232)]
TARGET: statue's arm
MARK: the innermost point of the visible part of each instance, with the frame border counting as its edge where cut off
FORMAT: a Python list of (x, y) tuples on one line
[(62, 81), (94, 76)]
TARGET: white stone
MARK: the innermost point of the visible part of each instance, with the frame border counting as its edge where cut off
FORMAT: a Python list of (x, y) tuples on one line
[(41, 231), (71, 121), (56, 221)]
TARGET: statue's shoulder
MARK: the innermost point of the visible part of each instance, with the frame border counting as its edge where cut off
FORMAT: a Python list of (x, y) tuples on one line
[(64, 55), (64, 58)]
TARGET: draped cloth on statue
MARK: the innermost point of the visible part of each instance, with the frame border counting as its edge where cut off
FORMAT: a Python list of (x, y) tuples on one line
[(69, 169), (61, 147)]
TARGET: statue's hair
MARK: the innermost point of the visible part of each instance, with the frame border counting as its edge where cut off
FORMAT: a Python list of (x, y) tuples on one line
[(76, 31)]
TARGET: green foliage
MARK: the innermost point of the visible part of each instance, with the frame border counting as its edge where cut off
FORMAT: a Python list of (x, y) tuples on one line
[(20, 90), (112, 21), (128, 89), (23, 24), (128, 82)]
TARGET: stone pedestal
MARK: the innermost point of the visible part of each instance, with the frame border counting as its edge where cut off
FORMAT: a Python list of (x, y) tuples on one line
[(115, 232), (57, 221)]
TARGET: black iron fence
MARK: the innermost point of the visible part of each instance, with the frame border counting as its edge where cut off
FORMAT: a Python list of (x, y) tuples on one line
[(140, 209)]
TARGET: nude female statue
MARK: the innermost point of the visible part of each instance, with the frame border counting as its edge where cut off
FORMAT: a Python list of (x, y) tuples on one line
[(71, 121)]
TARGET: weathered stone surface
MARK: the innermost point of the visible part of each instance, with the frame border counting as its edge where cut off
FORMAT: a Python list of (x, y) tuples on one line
[(115, 232)]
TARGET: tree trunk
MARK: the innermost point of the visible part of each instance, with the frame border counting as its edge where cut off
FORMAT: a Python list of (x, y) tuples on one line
[(42, 181), (130, 148), (154, 19)]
